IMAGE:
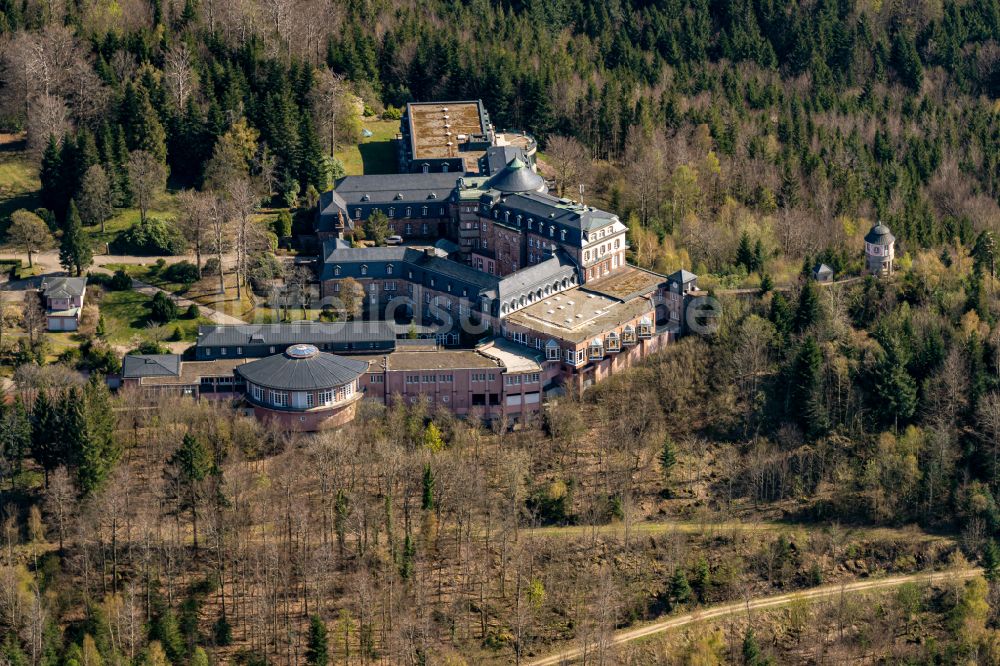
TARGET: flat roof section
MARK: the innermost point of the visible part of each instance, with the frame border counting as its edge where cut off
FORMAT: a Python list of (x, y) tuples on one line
[(192, 372), (434, 124), (514, 357), (626, 283), (439, 360), (577, 315)]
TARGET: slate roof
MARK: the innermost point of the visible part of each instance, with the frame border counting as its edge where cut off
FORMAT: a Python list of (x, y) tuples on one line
[(285, 373), (556, 267), (283, 335), (516, 177), (682, 276), (63, 287), (552, 210), (879, 235), (387, 188), (151, 365), (822, 269), (497, 157)]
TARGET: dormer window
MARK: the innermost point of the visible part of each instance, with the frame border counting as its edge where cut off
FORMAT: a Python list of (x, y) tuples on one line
[(392, 212), (399, 196), (518, 220), (433, 195), (336, 270), (364, 269), (388, 269), (562, 235), (552, 232), (365, 197)]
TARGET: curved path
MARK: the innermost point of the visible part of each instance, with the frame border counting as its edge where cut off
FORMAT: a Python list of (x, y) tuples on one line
[(712, 612)]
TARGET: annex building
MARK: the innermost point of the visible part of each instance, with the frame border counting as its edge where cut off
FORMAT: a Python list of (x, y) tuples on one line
[(517, 292)]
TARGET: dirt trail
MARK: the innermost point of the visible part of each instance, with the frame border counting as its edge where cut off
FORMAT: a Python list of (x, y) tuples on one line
[(711, 612)]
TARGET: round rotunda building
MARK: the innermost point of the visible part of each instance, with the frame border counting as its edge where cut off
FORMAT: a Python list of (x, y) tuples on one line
[(303, 388)]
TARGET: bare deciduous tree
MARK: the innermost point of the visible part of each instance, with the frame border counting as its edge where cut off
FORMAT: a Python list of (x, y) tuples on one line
[(148, 177)]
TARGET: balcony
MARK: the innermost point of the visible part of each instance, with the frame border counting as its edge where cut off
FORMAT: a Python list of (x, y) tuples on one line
[(613, 343), (595, 351), (645, 329), (628, 336)]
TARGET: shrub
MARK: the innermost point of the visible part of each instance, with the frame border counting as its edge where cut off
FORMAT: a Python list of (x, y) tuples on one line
[(162, 308), (264, 268), (192, 312), (154, 236), (150, 347), (120, 281), (183, 272), (178, 334), (392, 113), (211, 266), (282, 225), (98, 356)]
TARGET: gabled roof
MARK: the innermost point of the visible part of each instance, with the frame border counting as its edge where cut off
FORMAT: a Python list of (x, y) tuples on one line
[(63, 287), (151, 365), (822, 269)]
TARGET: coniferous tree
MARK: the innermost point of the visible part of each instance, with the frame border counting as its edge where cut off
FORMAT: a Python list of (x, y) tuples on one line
[(744, 253), (781, 314), (15, 437), (191, 464), (75, 252), (808, 310), (317, 649), (984, 252), (806, 401), (668, 459), (47, 446), (680, 589), (427, 496), (894, 388), (751, 649), (51, 177)]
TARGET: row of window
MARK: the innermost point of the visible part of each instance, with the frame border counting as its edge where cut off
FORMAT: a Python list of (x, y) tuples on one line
[(484, 376), (391, 212), (429, 379), (307, 399), (531, 223), (602, 250), (516, 380)]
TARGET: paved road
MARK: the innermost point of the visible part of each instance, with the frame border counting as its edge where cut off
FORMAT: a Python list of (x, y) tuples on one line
[(712, 612)]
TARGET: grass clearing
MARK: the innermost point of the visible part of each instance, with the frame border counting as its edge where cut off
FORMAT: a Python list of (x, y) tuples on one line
[(19, 185), (126, 319), (375, 154)]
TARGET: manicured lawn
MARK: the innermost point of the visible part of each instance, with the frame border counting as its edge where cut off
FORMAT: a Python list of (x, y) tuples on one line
[(126, 319), (164, 209), (376, 154)]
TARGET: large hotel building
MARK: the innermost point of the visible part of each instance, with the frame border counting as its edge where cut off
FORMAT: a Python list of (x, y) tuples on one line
[(515, 292)]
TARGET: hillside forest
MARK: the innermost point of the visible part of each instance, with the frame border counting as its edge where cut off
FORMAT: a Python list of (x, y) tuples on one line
[(823, 434)]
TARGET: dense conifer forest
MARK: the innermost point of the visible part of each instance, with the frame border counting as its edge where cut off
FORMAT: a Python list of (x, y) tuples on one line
[(828, 432)]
